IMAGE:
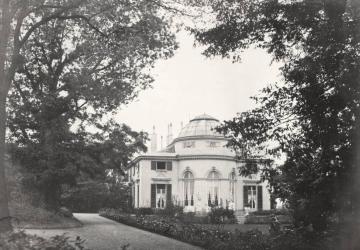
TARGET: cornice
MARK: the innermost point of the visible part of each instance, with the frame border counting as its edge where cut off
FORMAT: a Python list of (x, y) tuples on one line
[(198, 137), (196, 157)]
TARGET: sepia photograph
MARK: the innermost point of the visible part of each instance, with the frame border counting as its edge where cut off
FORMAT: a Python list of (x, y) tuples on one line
[(180, 124)]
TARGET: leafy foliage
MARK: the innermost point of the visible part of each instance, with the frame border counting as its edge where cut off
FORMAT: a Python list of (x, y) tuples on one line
[(83, 62), (219, 215), (20, 240), (90, 197), (314, 116), (217, 238)]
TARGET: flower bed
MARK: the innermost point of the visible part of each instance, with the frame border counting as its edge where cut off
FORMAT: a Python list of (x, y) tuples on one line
[(193, 234), (266, 216), (206, 237)]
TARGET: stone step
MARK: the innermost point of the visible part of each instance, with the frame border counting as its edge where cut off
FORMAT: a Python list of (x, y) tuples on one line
[(241, 220), (240, 216)]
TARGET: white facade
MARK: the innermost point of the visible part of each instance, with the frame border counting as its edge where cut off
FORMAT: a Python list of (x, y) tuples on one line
[(196, 170)]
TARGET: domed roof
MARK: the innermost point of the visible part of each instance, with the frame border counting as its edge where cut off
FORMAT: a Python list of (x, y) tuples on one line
[(202, 125)]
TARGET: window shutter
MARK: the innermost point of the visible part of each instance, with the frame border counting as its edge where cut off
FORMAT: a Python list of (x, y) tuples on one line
[(153, 165), (138, 196), (169, 165), (245, 196), (260, 198), (153, 195), (272, 202), (168, 194), (133, 195)]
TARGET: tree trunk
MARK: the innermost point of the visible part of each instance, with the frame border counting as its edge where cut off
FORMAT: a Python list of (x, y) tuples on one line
[(5, 221)]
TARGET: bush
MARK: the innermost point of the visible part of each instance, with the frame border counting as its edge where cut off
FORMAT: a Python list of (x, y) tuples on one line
[(143, 211), (193, 218), (271, 212), (20, 240), (91, 196), (221, 215), (265, 216), (219, 239), (170, 210)]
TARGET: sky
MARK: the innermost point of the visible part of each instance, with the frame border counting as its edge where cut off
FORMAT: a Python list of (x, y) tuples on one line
[(189, 84)]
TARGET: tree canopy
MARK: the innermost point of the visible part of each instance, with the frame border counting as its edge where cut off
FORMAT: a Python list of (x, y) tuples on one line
[(313, 114), (64, 66)]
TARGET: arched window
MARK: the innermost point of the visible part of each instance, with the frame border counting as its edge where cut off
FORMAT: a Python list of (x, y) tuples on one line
[(188, 189), (232, 180), (214, 182)]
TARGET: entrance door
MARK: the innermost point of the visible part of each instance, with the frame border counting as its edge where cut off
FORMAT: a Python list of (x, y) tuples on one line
[(160, 196), (252, 197)]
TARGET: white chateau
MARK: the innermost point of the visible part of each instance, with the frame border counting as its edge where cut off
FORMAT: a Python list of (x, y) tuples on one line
[(196, 170)]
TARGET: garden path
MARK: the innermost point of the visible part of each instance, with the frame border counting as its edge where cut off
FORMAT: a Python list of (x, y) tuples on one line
[(103, 234)]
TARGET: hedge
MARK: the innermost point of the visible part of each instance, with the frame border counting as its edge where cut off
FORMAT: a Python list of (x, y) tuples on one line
[(214, 238)]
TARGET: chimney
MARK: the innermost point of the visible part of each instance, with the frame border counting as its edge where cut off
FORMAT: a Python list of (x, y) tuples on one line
[(161, 142), (153, 141), (169, 135)]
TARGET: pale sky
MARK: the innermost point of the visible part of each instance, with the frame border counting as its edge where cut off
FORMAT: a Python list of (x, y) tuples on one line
[(189, 84)]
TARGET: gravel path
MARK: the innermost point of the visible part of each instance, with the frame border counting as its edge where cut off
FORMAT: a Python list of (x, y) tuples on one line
[(104, 234)]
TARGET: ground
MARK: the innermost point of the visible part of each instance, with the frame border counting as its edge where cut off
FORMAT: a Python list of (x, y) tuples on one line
[(104, 234)]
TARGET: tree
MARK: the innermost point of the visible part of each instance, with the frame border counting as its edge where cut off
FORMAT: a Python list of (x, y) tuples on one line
[(67, 160), (314, 114), (60, 59)]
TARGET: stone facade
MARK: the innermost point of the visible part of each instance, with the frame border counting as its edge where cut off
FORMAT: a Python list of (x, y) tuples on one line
[(196, 170)]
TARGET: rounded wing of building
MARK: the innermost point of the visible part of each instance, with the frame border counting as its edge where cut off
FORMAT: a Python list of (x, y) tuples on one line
[(196, 171)]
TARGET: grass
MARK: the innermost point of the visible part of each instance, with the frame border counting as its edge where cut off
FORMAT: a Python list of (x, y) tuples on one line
[(39, 218)]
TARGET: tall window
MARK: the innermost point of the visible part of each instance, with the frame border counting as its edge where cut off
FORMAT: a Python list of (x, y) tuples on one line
[(188, 189), (214, 182), (232, 180)]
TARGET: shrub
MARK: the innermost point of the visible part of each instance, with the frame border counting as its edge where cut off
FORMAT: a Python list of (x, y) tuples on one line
[(271, 212), (91, 196), (220, 215), (265, 216), (20, 240), (193, 218), (171, 210), (143, 211), (219, 239)]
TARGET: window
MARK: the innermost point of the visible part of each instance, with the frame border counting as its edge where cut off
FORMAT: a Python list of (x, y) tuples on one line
[(189, 144), (213, 175), (161, 165), (188, 189), (213, 144), (214, 181), (250, 197), (160, 195)]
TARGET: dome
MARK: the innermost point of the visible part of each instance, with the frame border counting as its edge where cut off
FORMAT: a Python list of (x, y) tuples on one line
[(202, 125)]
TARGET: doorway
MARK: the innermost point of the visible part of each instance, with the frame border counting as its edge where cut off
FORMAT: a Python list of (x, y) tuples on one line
[(160, 196), (251, 198)]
